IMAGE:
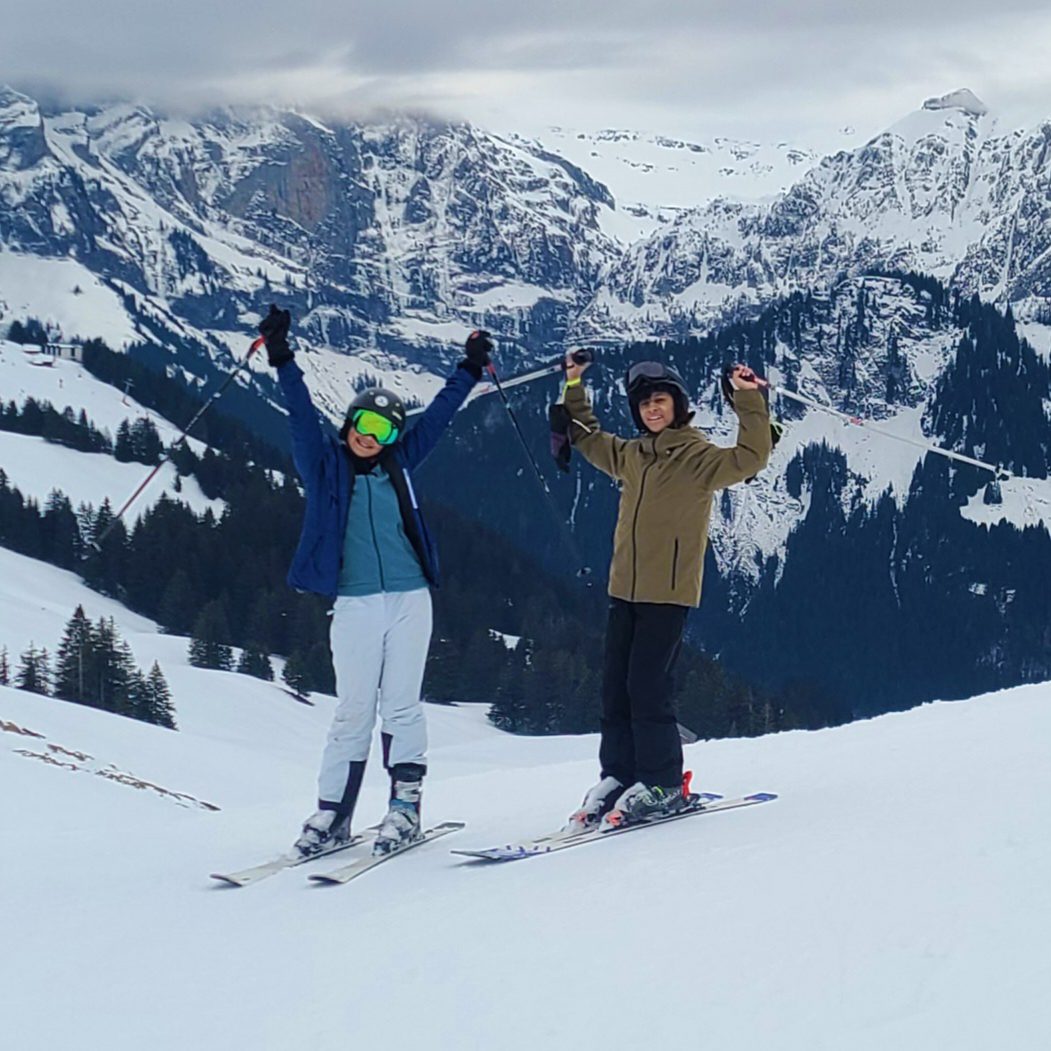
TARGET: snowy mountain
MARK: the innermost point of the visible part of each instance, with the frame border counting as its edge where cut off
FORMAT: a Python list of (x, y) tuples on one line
[(945, 191), (652, 178), (398, 237), (894, 895)]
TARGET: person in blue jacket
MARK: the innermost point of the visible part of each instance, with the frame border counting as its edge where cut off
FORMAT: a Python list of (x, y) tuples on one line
[(365, 546)]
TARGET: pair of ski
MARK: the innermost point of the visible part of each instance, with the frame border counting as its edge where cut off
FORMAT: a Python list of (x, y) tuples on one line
[(701, 803), (341, 875)]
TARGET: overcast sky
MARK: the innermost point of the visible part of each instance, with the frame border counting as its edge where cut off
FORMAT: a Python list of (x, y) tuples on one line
[(764, 69)]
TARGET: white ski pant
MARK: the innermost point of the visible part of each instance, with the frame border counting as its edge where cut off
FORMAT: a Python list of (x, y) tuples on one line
[(379, 649)]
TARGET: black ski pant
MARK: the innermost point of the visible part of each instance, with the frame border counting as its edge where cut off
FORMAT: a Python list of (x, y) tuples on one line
[(640, 734)]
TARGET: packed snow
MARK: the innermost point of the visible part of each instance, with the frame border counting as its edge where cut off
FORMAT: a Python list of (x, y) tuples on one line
[(653, 177), (895, 895), (65, 296)]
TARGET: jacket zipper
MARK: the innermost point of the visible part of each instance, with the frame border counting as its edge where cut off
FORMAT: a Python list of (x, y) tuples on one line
[(375, 542), (634, 527), (674, 563)]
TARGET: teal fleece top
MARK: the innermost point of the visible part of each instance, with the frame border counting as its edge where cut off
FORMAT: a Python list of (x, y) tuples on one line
[(377, 555)]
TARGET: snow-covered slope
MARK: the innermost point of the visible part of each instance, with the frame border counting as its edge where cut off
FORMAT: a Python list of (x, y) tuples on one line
[(37, 467), (653, 177), (894, 896)]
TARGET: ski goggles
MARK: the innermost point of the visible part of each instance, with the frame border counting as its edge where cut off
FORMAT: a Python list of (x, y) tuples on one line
[(375, 426), (646, 372)]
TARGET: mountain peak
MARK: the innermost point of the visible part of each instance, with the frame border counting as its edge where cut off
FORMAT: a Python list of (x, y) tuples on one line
[(963, 98)]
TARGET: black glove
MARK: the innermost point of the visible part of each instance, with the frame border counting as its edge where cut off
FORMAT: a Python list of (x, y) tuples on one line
[(581, 356), (478, 348), (561, 449), (274, 330)]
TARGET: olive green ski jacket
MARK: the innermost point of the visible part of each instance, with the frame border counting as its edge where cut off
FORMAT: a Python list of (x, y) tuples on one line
[(667, 485)]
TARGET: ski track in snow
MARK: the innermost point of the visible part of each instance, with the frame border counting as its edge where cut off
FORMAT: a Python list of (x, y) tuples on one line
[(895, 895)]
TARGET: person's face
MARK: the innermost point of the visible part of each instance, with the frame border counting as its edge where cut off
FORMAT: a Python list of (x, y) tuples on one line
[(362, 445), (657, 411)]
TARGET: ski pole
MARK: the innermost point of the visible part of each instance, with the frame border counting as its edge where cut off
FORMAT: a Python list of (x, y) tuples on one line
[(514, 381), (97, 542), (999, 472), (584, 570)]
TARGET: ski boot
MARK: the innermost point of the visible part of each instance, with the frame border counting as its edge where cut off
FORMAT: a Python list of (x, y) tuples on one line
[(323, 831), (642, 803), (401, 826), (598, 800)]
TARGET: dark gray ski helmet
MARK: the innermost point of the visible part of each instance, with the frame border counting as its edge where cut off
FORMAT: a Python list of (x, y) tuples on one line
[(379, 400), (650, 377)]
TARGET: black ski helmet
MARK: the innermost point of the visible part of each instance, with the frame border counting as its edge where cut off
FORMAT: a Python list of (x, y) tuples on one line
[(650, 377), (379, 400)]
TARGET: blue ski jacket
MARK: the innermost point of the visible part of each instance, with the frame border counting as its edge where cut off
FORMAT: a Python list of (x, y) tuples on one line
[(326, 469)]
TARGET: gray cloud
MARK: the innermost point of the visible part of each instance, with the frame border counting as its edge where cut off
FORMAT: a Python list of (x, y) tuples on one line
[(684, 68)]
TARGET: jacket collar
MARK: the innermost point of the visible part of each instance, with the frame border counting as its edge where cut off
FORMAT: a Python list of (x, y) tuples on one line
[(671, 439)]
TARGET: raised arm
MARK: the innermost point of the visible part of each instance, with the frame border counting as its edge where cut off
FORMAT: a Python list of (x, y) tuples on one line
[(304, 423), (718, 468), (601, 449), (424, 434), (308, 439)]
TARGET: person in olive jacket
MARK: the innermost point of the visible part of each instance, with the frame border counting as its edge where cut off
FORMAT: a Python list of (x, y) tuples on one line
[(668, 477)]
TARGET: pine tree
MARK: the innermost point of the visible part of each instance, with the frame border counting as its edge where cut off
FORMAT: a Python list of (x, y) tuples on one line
[(254, 661), (178, 607), (210, 640), (5, 667), (74, 660), (160, 708), (135, 701), (320, 673), (104, 569), (109, 688), (508, 711), (32, 674), (131, 684), (145, 442), (123, 449), (296, 674), (44, 671)]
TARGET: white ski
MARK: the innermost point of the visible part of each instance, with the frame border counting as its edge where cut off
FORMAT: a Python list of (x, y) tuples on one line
[(288, 861), (362, 865), (707, 804)]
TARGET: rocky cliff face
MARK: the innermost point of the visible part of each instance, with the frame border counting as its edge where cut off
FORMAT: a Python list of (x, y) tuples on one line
[(390, 236)]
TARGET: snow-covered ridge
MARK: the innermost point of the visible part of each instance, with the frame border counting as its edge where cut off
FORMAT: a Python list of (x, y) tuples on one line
[(945, 191), (653, 177)]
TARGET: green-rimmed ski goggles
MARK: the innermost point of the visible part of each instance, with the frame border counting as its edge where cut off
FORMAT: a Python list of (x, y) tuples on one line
[(375, 426)]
